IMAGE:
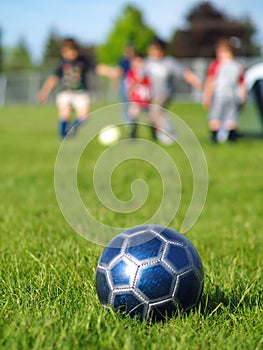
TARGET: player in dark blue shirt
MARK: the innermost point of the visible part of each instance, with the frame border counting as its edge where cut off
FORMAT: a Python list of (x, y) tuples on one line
[(72, 73)]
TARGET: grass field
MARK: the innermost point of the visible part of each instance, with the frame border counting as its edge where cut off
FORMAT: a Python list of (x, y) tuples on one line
[(48, 298)]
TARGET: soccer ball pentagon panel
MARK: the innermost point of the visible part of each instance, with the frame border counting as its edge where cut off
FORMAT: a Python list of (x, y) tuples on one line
[(150, 271)]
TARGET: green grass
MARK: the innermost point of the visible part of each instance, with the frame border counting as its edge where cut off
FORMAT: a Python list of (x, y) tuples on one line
[(48, 298)]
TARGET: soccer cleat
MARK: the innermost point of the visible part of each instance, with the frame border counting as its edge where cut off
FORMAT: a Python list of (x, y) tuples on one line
[(222, 135), (133, 130), (213, 137), (232, 137)]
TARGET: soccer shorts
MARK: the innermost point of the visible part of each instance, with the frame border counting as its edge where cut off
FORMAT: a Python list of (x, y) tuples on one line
[(79, 100), (224, 109)]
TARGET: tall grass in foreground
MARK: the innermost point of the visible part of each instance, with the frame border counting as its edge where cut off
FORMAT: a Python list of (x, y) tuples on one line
[(48, 298)]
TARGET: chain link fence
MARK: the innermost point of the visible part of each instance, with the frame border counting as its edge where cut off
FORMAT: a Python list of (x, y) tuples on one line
[(22, 87)]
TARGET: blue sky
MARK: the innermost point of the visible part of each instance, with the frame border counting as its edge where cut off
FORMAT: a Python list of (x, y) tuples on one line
[(89, 21)]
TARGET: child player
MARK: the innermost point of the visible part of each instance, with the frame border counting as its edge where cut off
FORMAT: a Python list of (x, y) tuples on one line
[(224, 92), (162, 69), (71, 71), (139, 92)]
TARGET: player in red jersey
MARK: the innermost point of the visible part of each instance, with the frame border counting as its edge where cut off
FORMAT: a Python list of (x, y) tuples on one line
[(139, 91)]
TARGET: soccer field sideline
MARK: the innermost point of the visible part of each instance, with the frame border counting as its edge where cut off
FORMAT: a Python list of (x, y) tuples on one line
[(48, 296)]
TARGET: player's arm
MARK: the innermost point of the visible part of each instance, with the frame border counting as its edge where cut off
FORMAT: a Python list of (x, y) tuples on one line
[(208, 92), (209, 85), (48, 86), (108, 71), (192, 79), (188, 75)]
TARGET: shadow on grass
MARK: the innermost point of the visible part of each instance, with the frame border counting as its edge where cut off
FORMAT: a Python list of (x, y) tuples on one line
[(243, 135), (219, 300)]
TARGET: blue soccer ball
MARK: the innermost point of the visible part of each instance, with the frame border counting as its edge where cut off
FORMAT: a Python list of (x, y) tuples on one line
[(150, 271)]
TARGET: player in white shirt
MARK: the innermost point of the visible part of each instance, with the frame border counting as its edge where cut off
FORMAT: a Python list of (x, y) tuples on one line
[(162, 69), (224, 91)]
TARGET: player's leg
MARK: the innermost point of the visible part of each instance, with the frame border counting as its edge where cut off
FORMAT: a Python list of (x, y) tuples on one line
[(153, 116), (64, 110), (214, 118), (161, 125), (125, 101), (134, 111), (231, 119), (81, 104)]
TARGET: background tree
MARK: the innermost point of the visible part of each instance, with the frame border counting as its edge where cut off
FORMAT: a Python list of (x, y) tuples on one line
[(128, 28), (51, 50), (205, 25), (53, 46), (17, 58)]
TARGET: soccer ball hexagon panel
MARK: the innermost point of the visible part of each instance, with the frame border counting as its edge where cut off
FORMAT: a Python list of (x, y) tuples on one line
[(150, 271)]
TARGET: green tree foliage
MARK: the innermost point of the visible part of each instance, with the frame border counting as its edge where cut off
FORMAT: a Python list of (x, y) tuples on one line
[(52, 50), (17, 58), (128, 28), (205, 25)]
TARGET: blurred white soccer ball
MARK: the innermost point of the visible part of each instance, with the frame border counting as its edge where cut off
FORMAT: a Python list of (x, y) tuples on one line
[(109, 135)]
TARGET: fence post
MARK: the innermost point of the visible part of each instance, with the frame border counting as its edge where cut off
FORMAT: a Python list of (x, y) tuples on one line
[(33, 87), (3, 83)]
